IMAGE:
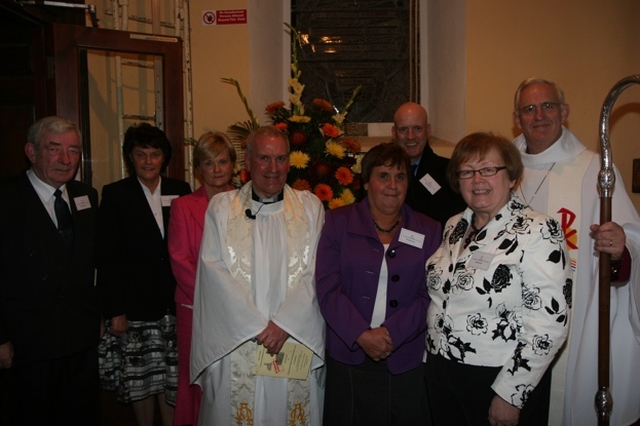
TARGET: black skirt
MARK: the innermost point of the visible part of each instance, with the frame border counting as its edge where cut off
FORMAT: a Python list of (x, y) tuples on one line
[(369, 395), (461, 394)]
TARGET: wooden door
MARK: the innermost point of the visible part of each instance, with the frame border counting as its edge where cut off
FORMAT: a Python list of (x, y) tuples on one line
[(44, 72), (71, 44)]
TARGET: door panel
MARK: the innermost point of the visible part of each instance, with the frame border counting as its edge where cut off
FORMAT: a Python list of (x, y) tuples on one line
[(73, 44)]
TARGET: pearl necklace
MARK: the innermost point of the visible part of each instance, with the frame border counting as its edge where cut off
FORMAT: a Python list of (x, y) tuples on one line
[(537, 189)]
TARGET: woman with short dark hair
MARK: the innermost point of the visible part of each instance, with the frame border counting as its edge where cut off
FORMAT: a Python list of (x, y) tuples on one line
[(138, 353), (370, 285)]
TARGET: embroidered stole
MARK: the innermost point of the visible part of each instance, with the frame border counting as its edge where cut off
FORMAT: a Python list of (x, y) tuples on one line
[(565, 205), (240, 242)]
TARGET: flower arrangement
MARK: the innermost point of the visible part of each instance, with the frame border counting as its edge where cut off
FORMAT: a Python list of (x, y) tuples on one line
[(323, 160)]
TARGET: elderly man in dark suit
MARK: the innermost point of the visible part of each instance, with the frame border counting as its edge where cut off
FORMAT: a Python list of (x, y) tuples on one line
[(49, 321)]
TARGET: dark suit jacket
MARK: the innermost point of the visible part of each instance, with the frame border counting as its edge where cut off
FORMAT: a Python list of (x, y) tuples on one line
[(48, 305), (444, 203), (134, 273), (348, 264)]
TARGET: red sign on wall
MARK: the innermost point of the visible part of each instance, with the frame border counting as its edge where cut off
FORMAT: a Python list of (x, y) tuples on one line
[(224, 17)]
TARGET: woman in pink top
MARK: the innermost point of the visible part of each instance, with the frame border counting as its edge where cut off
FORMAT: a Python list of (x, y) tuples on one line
[(214, 158)]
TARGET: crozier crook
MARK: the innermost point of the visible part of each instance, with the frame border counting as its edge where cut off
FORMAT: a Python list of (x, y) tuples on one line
[(606, 183)]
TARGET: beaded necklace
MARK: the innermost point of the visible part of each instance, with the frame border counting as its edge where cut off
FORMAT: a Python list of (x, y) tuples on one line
[(395, 225)]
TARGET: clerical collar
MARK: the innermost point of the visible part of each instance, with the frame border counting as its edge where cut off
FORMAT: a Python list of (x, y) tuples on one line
[(259, 199)]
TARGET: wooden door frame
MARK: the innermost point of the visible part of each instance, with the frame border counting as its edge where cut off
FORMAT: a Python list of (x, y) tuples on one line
[(70, 44)]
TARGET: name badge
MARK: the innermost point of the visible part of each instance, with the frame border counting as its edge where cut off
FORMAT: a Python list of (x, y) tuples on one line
[(412, 238), (481, 260), (428, 182), (166, 199), (82, 202)]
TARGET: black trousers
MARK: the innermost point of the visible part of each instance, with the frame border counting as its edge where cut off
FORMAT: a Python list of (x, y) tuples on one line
[(62, 391), (369, 395), (461, 394)]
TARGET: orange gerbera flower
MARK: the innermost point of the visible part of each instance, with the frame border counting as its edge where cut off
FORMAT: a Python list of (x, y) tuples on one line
[(330, 130), (281, 126), (323, 191), (344, 176), (245, 176), (273, 107), (323, 105), (352, 145), (301, 185)]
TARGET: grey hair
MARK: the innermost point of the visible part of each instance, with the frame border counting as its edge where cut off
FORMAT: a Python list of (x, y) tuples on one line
[(535, 80), (52, 124), (265, 131)]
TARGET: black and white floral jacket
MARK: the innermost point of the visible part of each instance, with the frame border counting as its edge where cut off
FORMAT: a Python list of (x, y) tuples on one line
[(503, 301)]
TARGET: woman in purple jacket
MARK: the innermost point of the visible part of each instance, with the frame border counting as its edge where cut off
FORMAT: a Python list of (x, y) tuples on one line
[(371, 290)]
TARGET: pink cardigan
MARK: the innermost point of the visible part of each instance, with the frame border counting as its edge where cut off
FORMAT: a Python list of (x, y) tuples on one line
[(185, 235)]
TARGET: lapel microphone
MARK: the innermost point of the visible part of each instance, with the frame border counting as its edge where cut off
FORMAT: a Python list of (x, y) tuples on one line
[(253, 216), (255, 197)]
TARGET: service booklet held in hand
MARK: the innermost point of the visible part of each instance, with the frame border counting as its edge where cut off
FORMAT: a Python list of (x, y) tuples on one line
[(292, 362)]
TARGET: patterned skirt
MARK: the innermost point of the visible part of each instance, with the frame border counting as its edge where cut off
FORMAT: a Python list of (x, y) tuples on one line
[(143, 362)]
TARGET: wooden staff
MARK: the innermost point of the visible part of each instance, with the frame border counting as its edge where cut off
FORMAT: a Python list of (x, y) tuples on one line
[(606, 183)]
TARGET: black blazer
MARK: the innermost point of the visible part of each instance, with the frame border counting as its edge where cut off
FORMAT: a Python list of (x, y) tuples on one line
[(48, 306), (134, 273), (445, 202)]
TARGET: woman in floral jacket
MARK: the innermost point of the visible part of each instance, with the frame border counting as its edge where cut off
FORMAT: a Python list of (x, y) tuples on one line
[(501, 292)]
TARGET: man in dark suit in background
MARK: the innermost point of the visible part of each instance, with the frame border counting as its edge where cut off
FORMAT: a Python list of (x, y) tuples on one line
[(429, 192), (49, 320)]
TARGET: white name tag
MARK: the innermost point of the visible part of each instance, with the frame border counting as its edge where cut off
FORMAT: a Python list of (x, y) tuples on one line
[(429, 183), (166, 199), (481, 260), (412, 238), (82, 202)]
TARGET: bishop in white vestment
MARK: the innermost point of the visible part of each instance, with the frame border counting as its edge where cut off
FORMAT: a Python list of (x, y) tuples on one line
[(561, 179)]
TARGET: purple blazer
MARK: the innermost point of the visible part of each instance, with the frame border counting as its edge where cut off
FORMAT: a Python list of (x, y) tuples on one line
[(347, 270)]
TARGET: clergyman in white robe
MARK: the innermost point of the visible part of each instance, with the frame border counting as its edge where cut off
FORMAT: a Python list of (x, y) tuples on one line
[(572, 171), (252, 271)]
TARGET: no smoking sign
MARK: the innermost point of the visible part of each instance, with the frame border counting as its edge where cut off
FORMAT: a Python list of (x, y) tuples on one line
[(208, 17)]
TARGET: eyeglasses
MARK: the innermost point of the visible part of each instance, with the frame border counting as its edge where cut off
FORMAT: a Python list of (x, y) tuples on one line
[(484, 172), (546, 107)]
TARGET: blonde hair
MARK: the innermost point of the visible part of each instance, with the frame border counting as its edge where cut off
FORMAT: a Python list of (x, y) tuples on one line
[(212, 144)]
